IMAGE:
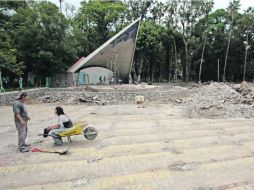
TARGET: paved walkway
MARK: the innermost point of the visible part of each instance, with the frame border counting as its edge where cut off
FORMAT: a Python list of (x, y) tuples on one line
[(156, 148)]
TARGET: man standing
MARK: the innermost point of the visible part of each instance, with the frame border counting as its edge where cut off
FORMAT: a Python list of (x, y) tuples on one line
[(21, 118)]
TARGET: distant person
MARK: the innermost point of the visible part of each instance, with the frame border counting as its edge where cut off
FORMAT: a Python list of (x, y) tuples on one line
[(110, 80), (104, 79), (63, 124), (120, 81), (113, 80), (20, 83), (5, 83), (21, 118), (100, 79)]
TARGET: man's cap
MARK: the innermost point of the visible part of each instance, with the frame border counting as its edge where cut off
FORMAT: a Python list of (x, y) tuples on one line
[(21, 95)]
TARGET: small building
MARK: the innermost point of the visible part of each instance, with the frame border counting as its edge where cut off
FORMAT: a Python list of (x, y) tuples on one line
[(115, 55)]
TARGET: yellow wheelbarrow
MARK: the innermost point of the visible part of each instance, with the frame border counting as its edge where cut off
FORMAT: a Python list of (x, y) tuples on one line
[(78, 128)]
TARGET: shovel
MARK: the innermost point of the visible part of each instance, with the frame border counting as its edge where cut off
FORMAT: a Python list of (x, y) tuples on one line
[(63, 152)]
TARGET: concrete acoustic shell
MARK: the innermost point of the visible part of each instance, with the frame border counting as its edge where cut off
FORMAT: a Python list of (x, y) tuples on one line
[(116, 54)]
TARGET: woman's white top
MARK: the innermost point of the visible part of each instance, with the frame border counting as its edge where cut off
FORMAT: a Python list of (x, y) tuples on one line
[(62, 119)]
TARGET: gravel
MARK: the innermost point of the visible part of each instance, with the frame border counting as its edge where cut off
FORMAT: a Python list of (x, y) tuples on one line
[(220, 100)]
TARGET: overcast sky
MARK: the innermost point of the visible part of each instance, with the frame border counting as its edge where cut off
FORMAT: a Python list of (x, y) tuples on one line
[(218, 3)]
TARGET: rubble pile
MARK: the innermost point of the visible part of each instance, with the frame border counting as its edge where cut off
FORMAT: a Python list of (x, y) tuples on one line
[(196, 100), (247, 92), (72, 98), (91, 100), (48, 99), (221, 100), (83, 88)]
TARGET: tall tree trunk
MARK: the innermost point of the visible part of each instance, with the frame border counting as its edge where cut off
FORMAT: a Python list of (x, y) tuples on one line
[(189, 66), (226, 58), (152, 74), (202, 59), (148, 70), (152, 71), (133, 75), (186, 65), (245, 58), (160, 69), (161, 74), (1, 82), (170, 64), (140, 69), (176, 69), (218, 74)]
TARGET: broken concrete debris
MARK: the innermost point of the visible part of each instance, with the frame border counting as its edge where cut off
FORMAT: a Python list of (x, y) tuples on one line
[(196, 100), (221, 100)]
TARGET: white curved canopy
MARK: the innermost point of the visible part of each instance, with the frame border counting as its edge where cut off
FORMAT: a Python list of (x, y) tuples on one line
[(116, 54)]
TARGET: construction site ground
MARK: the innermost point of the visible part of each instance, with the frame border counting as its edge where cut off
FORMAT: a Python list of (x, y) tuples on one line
[(155, 146)]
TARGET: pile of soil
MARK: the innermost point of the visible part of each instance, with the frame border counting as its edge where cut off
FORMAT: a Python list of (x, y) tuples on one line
[(221, 100)]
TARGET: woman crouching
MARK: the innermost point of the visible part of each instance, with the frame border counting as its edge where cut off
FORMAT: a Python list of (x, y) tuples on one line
[(63, 124)]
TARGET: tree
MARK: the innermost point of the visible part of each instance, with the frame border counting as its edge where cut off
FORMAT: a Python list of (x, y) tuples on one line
[(158, 11), (232, 11), (207, 8), (102, 17), (138, 9), (187, 13), (247, 20), (43, 38), (216, 39), (176, 35), (150, 50), (171, 7), (7, 51), (8, 55)]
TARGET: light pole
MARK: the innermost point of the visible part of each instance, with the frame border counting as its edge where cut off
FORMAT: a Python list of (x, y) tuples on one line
[(190, 63), (60, 2)]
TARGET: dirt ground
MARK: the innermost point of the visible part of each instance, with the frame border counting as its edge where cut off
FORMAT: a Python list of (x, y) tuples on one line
[(155, 147)]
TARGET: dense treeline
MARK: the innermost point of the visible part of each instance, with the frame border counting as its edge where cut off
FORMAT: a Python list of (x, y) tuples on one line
[(177, 39)]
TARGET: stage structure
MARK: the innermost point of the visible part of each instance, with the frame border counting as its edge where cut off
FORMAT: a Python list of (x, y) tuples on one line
[(116, 54)]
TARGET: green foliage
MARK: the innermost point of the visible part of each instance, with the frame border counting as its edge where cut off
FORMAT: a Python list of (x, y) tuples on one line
[(138, 9), (150, 45), (8, 55), (174, 35), (7, 51), (99, 18), (41, 34)]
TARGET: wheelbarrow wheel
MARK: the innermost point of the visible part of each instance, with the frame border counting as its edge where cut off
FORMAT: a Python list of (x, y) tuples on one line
[(90, 133)]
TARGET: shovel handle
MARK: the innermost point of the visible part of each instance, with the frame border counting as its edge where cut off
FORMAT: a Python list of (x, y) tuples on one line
[(47, 135), (43, 134)]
